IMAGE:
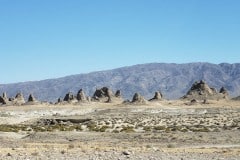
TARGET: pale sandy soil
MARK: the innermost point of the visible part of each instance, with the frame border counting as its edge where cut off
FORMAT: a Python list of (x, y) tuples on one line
[(162, 130)]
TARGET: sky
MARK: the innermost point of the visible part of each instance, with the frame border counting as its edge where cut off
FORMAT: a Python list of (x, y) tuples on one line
[(42, 39)]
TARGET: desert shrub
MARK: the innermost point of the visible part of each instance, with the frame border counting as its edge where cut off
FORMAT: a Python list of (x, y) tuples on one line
[(184, 130), (92, 126), (167, 129), (35, 154), (147, 128), (170, 146), (71, 146), (204, 129), (12, 128), (78, 128), (127, 129), (115, 131), (103, 128), (159, 127)]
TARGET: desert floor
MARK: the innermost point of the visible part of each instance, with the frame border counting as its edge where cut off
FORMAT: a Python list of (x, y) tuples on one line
[(171, 130)]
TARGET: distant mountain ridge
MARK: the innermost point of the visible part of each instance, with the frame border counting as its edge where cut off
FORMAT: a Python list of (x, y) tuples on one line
[(173, 80)]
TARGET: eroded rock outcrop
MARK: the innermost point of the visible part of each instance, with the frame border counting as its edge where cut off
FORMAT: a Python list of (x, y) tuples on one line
[(106, 95), (19, 99), (157, 96), (138, 99), (81, 96), (118, 93), (31, 98), (4, 99), (73, 99), (201, 91), (69, 97)]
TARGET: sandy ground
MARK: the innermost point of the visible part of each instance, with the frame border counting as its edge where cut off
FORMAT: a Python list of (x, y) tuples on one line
[(161, 130)]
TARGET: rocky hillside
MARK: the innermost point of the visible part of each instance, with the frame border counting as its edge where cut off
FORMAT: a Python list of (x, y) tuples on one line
[(173, 80)]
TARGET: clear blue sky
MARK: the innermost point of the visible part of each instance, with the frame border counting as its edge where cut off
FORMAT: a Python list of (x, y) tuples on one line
[(42, 39)]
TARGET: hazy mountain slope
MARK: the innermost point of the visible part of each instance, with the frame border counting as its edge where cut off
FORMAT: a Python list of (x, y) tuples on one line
[(173, 80)]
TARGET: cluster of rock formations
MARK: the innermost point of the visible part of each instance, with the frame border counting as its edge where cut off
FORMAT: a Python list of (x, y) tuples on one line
[(17, 100), (106, 95), (200, 91), (71, 98), (100, 95)]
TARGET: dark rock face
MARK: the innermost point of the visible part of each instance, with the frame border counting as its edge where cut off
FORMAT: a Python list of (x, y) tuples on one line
[(138, 99), (158, 96), (59, 100), (4, 99), (118, 93), (201, 91), (31, 98), (69, 97), (201, 88), (103, 94), (11, 99), (106, 95), (81, 95), (224, 91)]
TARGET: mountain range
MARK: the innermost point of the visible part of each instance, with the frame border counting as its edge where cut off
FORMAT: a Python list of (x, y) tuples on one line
[(173, 80)]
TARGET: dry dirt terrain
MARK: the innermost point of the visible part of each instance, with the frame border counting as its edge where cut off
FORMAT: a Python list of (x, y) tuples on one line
[(159, 130)]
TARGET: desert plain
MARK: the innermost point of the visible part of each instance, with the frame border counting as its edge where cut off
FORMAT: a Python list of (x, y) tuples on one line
[(158, 130)]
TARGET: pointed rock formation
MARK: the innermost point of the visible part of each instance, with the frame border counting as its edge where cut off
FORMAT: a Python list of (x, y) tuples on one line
[(81, 95), (118, 93), (4, 99), (106, 95), (103, 95), (69, 97), (31, 98), (19, 99), (158, 96), (138, 99), (59, 100)]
